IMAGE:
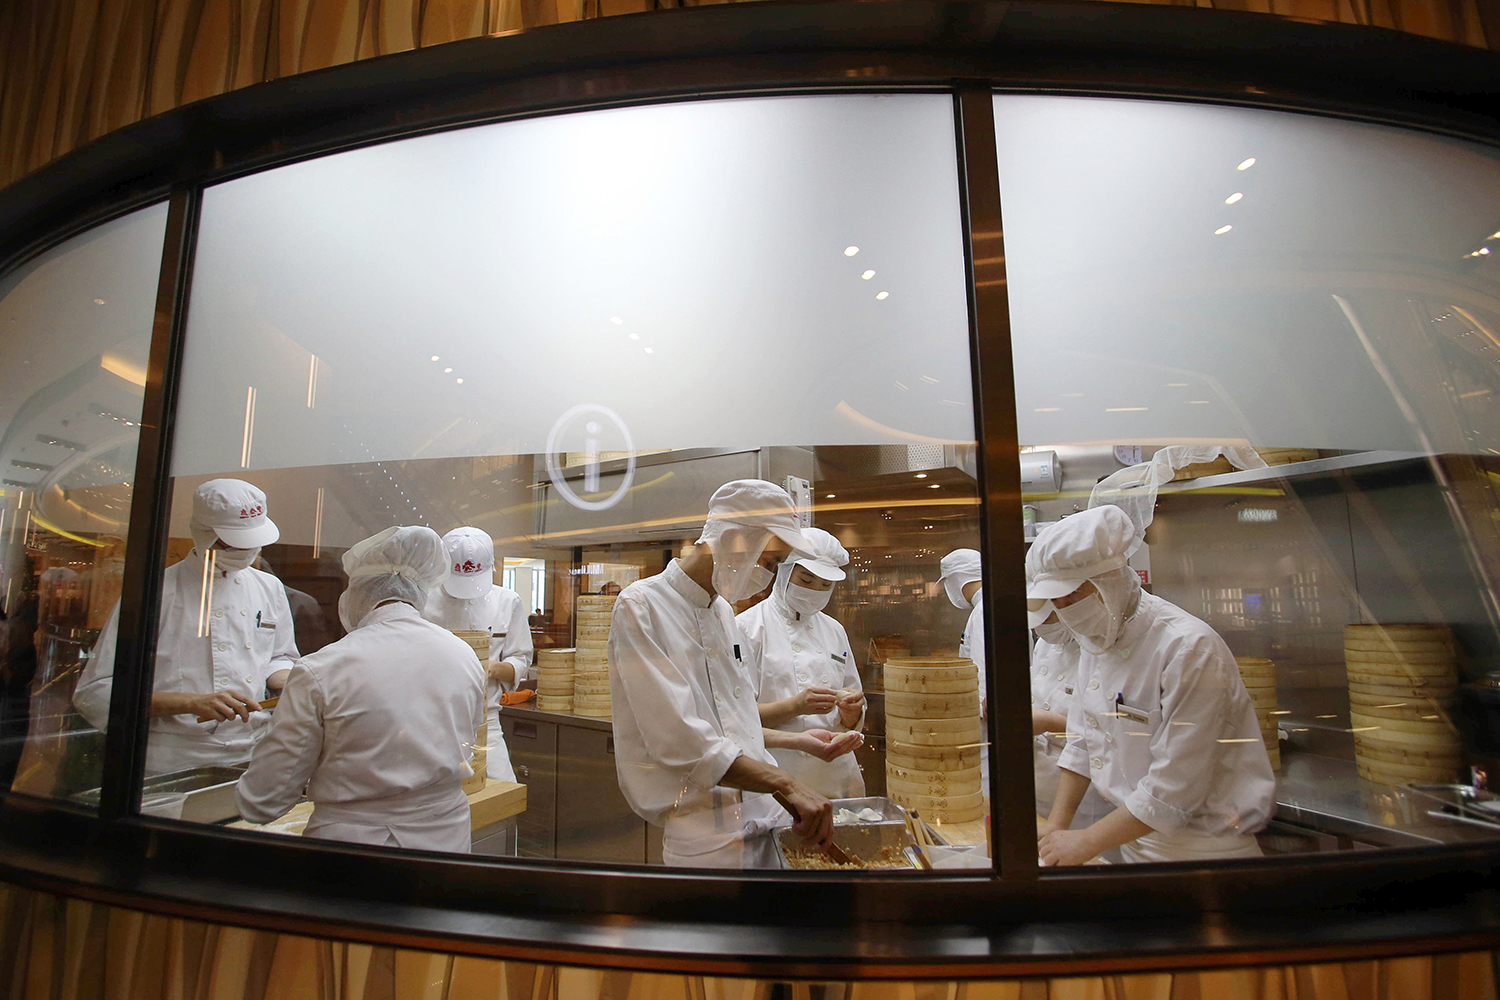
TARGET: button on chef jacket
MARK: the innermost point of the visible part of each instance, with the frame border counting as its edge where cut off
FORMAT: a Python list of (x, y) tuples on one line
[(503, 616), (684, 709), (249, 637), (796, 652), (379, 726), (1174, 771), (1054, 682)]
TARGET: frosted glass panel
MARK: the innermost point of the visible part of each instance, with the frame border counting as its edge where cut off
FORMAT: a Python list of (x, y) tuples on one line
[(596, 258), (1187, 273)]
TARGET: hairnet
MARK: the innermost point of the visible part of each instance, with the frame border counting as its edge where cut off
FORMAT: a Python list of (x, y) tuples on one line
[(825, 559), (960, 568), (398, 564)]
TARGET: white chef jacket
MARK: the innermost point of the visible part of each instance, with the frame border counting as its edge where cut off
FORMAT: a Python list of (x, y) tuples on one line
[(249, 626), (685, 708), (1054, 674), (502, 615), (795, 652), (972, 646), (1166, 751), (379, 727)]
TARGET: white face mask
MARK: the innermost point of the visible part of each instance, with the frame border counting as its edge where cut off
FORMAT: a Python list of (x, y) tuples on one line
[(1055, 633), (1091, 623), (736, 574), (230, 560), (805, 600), (956, 593), (345, 613)]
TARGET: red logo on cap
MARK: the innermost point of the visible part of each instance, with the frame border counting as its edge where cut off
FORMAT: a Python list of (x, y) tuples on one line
[(248, 512), (467, 566)]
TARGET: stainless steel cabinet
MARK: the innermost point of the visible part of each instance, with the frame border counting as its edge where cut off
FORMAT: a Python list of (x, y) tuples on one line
[(594, 822), (533, 753)]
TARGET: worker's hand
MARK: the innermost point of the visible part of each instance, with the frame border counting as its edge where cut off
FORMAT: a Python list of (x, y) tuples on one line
[(825, 745), (1065, 848), (851, 708), (221, 706), (816, 701), (501, 672), (1044, 827), (812, 814)]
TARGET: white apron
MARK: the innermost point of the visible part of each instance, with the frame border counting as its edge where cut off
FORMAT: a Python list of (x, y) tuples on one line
[(747, 820), (432, 819), (1188, 845), (497, 755)]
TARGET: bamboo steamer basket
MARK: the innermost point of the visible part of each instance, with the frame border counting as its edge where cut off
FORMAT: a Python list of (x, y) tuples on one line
[(940, 785), (1256, 666), (1411, 687), (1434, 664), (1400, 632), (900, 705), (1378, 644), (931, 758), (1400, 774), (971, 737), (895, 725), (939, 806), (911, 683), (546, 703), (1384, 753), (1198, 470), (1416, 708), (1436, 732), (962, 663), (1274, 754), (1286, 456), (475, 783)]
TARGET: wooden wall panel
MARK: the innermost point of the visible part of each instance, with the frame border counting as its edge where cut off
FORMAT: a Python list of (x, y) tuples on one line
[(71, 70)]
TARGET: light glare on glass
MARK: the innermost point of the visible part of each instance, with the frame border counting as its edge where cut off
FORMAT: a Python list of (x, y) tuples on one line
[(447, 371), (1222, 230), (921, 475), (868, 275), (850, 251), (650, 351), (434, 357), (616, 320), (1234, 198), (459, 381), (1246, 164), (98, 302), (886, 295), (635, 336)]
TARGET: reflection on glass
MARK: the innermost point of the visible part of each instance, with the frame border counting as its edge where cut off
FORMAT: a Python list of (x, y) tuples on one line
[(555, 348), (76, 328), (1270, 341)]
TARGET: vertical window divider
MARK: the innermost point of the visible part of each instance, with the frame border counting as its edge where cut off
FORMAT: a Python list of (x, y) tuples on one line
[(150, 507), (1006, 637)]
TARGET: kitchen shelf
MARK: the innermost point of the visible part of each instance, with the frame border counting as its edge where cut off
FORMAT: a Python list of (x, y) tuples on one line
[(1363, 461)]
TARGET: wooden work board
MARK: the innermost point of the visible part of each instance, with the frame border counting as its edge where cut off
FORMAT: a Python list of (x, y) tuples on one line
[(496, 801)]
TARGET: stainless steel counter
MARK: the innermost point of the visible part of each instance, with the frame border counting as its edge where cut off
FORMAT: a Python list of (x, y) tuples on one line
[(1327, 796)]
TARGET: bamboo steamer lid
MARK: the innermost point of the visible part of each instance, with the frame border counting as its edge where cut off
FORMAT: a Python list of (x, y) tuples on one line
[(1400, 632), (922, 684), (1256, 666), (942, 738), (932, 706), (1286, 456), (932, 758), (927, 662), (941, 786), (555, 659)]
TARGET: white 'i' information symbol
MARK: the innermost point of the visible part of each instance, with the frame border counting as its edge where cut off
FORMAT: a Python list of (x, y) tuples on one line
[(594, 419)]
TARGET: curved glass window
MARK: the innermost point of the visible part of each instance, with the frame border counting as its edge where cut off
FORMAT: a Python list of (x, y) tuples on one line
[(1273, 341), (565, 335), (77, 323)]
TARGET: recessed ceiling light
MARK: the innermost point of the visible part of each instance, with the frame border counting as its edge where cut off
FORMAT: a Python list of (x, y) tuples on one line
[(616, 320), (868, 275), (850, 251), (935, 486), (434, 357), (1222, 230), (459, 381), (98, 302), (650, 351), (1246, 163), (828, 496), (883, 295), (1234, 198), (635, 336), (921, 475), (447, 371)]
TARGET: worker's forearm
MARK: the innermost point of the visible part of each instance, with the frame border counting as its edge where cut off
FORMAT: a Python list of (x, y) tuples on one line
[(502, 671), (750, 775), (1047, 722), (1071, 787), (779, 739), (1119, 827), (774, 713)]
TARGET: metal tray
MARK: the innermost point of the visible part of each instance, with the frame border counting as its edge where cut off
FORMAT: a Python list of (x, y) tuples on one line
[(208, 792), (862, 840)]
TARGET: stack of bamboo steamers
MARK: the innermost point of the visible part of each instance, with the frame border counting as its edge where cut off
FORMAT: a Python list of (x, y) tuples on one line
[(554, 680), (479, 642), (933, 737), (1259, 676), (590, 658), (1402, 683)]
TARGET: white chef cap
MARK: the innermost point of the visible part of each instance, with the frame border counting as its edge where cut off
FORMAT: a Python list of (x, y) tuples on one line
[(1078, 548), (826, 558), (398, 564), (754, 503), (960, 568)]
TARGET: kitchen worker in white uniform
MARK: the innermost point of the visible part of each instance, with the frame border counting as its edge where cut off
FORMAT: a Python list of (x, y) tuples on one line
[(223, 641), (1160, 721), (808, 678), (690, 750), (1054, 678), (470, 599), (962, 579), (378, 726)]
